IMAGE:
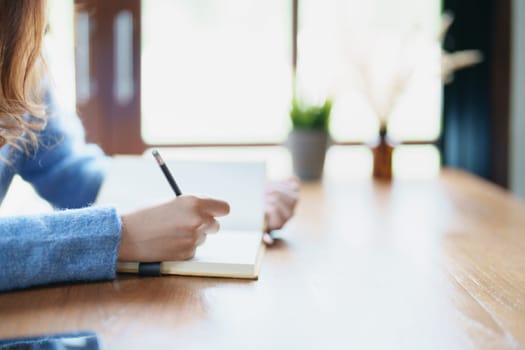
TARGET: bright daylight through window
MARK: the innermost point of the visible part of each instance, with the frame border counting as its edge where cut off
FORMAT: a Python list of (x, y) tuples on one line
[(220, 71)]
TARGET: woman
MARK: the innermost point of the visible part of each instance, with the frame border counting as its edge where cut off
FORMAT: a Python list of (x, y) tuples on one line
[(47, 149)]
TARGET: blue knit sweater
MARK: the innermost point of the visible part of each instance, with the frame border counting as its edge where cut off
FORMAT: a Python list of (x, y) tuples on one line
[(74, 243)]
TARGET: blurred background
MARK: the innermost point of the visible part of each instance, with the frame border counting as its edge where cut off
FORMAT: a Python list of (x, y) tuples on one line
[(218, 76)]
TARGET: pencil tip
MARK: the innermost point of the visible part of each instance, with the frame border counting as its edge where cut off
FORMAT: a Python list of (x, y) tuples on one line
[(157, 156)]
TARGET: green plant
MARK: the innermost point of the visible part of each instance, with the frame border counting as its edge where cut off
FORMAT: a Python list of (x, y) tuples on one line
[(315, 117)]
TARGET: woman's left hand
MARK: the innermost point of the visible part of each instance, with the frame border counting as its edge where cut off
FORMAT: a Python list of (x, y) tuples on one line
[(280, 201)]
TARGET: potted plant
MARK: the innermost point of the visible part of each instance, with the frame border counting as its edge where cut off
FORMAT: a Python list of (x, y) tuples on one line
[(309, 138)]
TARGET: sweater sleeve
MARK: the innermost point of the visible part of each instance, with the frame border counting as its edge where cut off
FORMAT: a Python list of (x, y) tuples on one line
[(64, 170), (65, 246)]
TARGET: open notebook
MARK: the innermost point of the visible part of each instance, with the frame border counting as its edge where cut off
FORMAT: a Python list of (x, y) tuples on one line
[(236, 250)]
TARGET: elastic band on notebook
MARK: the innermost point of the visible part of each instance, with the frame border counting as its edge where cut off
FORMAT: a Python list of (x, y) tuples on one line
[(149, 269)]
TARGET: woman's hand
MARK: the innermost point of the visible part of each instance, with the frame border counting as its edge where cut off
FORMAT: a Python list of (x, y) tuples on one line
[(280, 201), (171, 231)]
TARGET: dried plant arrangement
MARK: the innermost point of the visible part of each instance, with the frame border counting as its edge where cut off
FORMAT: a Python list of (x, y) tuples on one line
[(454, 61), (386, 68), (383, 80)]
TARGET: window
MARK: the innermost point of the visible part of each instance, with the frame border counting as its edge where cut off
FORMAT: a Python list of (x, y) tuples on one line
[(356, 50), (219, 72), (338, 40), (60, 51), (225, 66), (216, 71)]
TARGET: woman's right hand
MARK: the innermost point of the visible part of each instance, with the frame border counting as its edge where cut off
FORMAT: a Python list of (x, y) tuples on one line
[(171, 231)]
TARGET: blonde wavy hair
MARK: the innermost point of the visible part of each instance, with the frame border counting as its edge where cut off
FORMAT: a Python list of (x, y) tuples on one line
[(22, 113)]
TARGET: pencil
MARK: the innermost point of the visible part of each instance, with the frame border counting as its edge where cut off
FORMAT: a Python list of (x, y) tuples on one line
[(166, 172), (153, 268)]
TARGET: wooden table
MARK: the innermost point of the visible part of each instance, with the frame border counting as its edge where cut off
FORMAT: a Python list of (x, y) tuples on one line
[(412, 265)]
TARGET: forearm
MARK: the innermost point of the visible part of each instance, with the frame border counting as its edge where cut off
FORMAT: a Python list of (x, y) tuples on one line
[(64, 170), (65, 178), (64, 246)]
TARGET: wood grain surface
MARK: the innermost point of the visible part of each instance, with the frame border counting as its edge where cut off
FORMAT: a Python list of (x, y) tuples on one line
[(427, 264)]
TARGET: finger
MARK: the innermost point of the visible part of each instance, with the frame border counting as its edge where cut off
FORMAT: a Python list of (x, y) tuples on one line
[(275, 218), (268, 239), (213, 227), (209, 226), (282, 213), (289, 199), (201, 237), (189, 254), (291, 184), (285, 193), (215, 207), (294, 179), (285, 210)]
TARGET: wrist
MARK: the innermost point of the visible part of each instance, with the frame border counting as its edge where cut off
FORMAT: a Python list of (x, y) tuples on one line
[(124, 249)]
